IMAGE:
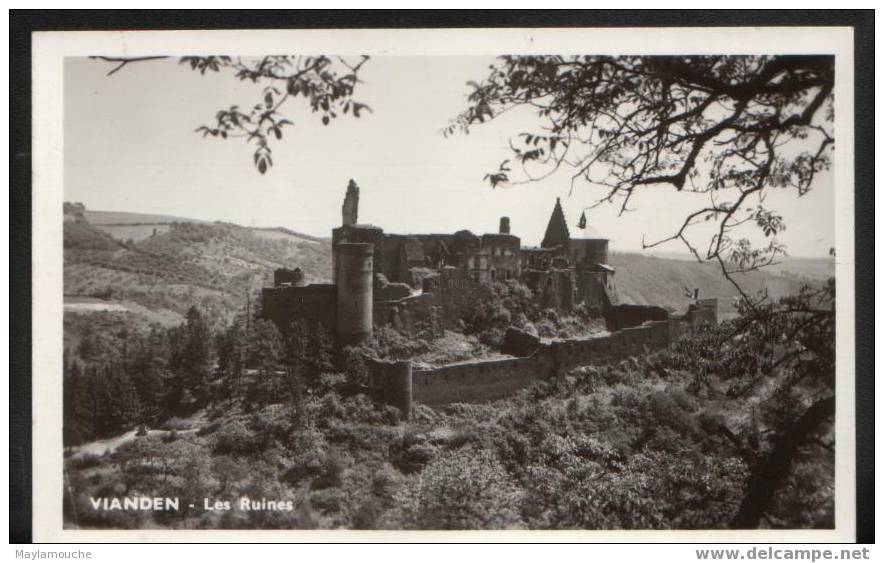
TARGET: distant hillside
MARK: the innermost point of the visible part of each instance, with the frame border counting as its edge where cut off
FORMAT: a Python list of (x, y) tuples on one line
[(126, 218), (815, 268), (283, 233), (83, 236), (212, 265), (649, 280), (135, 227), (821, 268)]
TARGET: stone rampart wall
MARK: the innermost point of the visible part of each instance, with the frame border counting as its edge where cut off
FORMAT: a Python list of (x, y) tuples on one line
[(488, 380)]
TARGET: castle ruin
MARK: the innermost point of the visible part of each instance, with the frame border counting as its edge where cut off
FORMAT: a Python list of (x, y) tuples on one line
[(401, 279)]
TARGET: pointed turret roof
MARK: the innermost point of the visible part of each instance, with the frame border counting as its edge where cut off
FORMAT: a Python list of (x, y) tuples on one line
[(585, 232), (557, 229)]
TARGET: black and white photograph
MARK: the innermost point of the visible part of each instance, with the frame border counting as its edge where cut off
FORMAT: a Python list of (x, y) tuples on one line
[(521, 289)]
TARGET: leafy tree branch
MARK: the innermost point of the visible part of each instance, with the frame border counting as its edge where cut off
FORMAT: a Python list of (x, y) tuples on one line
[(326, 84), (730, 127)]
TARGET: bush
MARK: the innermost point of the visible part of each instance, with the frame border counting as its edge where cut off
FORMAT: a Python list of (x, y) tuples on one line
[(464, 490), (84, 461), (367, 514), (416, 456), (236, 438), (331, 472)]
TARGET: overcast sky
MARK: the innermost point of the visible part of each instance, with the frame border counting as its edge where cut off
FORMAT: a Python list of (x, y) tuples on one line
[(130, 145)]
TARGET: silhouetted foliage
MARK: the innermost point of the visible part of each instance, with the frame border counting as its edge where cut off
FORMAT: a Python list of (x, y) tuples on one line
[(730, 127), (326, 84)]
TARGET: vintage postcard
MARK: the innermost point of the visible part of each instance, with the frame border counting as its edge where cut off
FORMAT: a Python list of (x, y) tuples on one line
[(400, 285)]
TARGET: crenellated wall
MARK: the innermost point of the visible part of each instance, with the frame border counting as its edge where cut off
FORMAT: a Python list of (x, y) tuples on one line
[(478, 381), (568, 354), (489, 380)]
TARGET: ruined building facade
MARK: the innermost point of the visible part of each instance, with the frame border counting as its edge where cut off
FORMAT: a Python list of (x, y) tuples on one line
[(402, 279)]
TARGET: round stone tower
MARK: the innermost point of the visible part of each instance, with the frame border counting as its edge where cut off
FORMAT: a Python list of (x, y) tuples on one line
[(354, 283)]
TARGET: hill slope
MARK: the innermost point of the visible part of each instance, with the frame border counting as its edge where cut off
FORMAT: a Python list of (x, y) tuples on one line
[(648, 280), (135, 227), (212, 265)]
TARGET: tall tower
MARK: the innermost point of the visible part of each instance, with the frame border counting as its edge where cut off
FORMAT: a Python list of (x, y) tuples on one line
[(354, 289), (350, 209)]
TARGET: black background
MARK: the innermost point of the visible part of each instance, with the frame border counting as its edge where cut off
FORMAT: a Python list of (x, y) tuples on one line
[(23, 22)]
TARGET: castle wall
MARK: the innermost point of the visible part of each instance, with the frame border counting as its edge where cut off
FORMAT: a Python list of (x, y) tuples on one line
[(617, 346), (619, 317), (488, 380), (405, 314), (283, 276), (312, 303), (391, 383), (457, 294), (588, 251), (703, 312), (519, 343), (478, 381), (592, 289), (448, 297), (553, 288), (537, 258), (504, 255), (437, 248)]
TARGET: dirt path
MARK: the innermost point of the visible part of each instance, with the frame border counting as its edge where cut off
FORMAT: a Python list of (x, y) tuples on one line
[(109, 445)]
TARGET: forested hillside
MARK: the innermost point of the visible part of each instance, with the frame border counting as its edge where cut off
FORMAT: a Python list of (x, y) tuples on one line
[(115, 288), (210, 265)]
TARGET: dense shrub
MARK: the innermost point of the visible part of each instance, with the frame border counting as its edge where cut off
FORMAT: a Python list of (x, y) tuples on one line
[(236, 438), (467, 489)]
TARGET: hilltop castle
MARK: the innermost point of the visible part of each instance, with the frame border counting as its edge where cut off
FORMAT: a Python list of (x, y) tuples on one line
[(403, 280), (381, 278)]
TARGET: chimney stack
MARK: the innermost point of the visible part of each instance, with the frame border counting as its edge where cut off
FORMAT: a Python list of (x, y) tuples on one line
[(504, 225)]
